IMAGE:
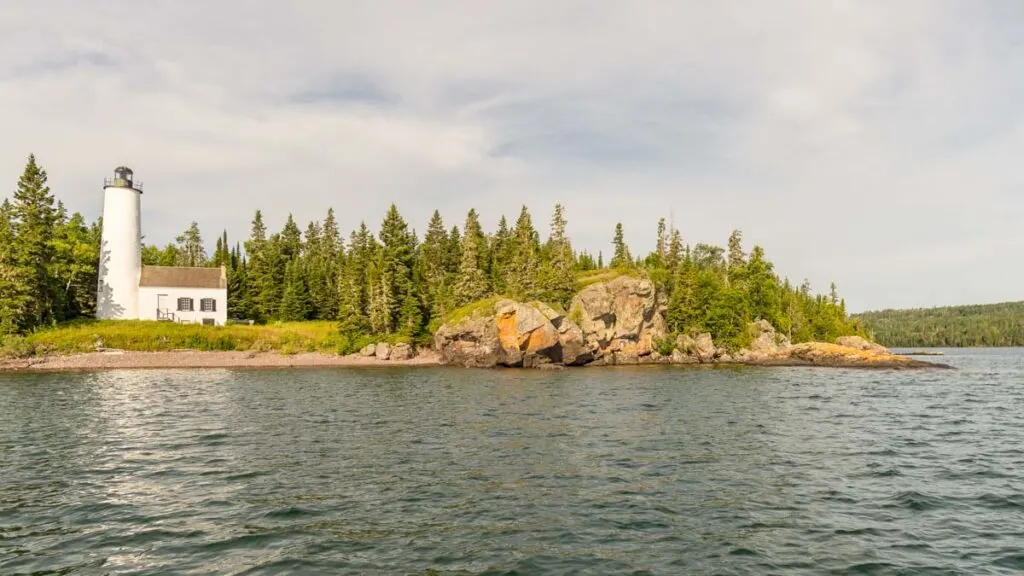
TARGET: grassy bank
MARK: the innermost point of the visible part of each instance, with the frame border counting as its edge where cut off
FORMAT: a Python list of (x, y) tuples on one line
[(84, 336)]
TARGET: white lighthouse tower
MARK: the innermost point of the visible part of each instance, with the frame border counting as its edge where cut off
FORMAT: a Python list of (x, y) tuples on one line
[(117, 293)]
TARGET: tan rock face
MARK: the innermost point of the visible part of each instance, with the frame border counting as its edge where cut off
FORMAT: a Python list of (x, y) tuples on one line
[(368, 350), (858, 343), (383, 351), (401, 352), (620, 319), (623, 316)]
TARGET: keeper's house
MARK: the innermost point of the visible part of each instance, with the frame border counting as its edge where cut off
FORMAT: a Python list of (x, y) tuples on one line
[(191, 295)]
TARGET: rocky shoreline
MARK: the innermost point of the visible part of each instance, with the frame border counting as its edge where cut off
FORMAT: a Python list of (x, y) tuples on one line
[(620, 322)]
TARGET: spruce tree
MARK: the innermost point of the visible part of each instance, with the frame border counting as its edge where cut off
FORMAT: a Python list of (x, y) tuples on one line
[(14, 295), (74, 268), (737, 259), (621, 258), (521, 274), (433, 267), (674, 254), (557, 279), (295, 300), (191, 251), (34, 220), (397, 258), (471, 283), (501, 255), (353, 289), (291, 240)]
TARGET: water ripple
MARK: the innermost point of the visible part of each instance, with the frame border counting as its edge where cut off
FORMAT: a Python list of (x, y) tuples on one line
[(434, 471)]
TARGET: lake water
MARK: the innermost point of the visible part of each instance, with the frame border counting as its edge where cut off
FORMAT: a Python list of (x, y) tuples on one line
[(653, 470)]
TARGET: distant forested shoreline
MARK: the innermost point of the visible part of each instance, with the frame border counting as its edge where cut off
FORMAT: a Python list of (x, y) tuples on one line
[(948, 327)]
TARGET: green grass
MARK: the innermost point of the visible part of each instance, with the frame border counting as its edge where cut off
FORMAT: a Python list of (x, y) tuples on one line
[(584, 279), (473, 309), (82, 336)]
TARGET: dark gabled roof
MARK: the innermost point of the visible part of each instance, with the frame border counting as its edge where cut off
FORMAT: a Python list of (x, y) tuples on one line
[(183, 277)]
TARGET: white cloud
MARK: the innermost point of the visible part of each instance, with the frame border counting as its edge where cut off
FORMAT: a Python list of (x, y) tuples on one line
[(873, 143)]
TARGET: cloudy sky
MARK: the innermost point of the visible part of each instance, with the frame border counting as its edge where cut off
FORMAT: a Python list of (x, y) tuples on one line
[(877, 144)]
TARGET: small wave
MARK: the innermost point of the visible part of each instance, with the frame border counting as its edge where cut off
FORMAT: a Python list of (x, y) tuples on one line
[(913, 500), (743, 552), (1015, 561), (1000, 502)]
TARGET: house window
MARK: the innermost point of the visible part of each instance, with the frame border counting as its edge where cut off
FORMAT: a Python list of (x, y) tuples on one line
[(185, 305), (207, 305)]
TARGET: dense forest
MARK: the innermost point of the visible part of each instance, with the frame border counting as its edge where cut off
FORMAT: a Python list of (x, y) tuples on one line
[(392, 283), (951, 326)]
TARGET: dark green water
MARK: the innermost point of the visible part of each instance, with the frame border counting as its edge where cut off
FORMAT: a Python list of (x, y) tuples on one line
[(594, 471)]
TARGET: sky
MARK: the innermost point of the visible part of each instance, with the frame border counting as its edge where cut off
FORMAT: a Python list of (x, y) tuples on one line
[(876, 144)]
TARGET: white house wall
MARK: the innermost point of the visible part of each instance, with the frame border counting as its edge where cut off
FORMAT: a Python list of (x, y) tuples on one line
[(150, 300)]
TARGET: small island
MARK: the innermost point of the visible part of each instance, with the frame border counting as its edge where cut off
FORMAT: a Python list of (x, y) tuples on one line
[(458, 296)]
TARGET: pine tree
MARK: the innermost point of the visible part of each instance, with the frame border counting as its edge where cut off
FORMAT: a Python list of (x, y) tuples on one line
[(353, 293), (557, 279), (74, 268), (397, 258), (660, 247), (291, 240), (262, 279), (521, 274), (190, 247), (433, 267), (674, 255), (501, 255), (14, 295), (34, 220), (683, 314), (622, 257), (295, 300), (763, 288), (471, 284)]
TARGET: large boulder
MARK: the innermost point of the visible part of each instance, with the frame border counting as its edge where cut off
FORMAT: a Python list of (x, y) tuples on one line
[(704, 348), (575, 351), (509, 333), (402, 352), (525, 328), (622, 317), (368, 350), (383, 351), (767, 343), (858, 343), (471, 342)]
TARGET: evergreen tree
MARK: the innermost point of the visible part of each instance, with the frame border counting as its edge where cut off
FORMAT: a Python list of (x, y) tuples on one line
[(14, 295), (521, 274), (291, 240), (190, 247), (34, 221), (660, 255), (622, 257), (471, 284), (501, 255), (737, 259), (75, 267), (353, 291), (295, 300), (557, 279), (763, 288), (674, 254), (397, 258), (433, 267)]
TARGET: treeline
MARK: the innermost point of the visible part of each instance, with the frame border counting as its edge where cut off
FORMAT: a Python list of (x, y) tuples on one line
[(48, 258), (392, 283), (949, 327)]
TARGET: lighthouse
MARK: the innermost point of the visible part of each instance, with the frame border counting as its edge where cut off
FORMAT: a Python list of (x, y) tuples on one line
[(117, 295), (127, 290)]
